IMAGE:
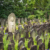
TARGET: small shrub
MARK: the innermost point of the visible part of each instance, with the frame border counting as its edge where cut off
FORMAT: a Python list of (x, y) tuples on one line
[(31, 17)]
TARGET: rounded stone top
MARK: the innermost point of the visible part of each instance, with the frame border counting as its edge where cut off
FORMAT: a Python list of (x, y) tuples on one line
[(11, 15)]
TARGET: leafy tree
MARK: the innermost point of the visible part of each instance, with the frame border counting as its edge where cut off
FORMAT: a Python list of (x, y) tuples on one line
[(24, 8)]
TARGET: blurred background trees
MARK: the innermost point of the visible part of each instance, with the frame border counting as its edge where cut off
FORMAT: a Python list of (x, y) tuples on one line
[(24, 8)]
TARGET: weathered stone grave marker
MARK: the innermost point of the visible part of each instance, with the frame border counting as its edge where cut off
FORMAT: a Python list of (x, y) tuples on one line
[(19, 21), (37, 37), (9, 47), (6, 30), (33, 47), (26, 34), (25, 19), (29, 24), (20, 45), (32, 33), (20, 29), (30, 43), (16, 20), (49, 17), (10, 36), (22, 39), (6, 23), (42, 46), (0, 21), (11, 22), (1, 37), (17, 35), (22, 20), (1, 30), (13, 44), (49, 44), (1, 45), (3, 22), (23, 48), (1, 41), (39, 41)]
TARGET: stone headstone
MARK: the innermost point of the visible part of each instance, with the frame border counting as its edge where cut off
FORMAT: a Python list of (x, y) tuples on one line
[(36, 20), (49, 17), (3, 22), (13, 44), (30, 38), (19, 21), (21, 39), (42, 46), (1, 45), (40, 30), (25, 19), (6, 30), (20, 45), (22, 20), (30, 43), (10, 36), (25, 27), (9, 47), (37, 37), (49, 45), (32, 33), (16, 20), (0, 21), (33, 47), (26, 34), (23, 48), (1, 30), (11, 23), (6, 23), (1, 38), (17, 35), (39, 41), (20, 29), (29, 23)]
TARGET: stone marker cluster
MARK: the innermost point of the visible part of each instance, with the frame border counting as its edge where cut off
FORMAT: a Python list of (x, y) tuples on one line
[(29, 32)]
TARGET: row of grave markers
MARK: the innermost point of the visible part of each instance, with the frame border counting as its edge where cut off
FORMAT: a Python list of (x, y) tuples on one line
[(21, 45), (27, 28), (30, 42), (4, 22)]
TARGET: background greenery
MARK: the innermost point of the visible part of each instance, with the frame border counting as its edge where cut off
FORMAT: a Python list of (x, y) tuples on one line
[(24, 8)]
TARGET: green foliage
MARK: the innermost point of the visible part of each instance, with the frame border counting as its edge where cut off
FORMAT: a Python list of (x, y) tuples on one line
[(29, 34), (5, 42), (46, 41), (26, 43), (24, 8), (39, 13), (31, 16), (16, 45), (22, 35)]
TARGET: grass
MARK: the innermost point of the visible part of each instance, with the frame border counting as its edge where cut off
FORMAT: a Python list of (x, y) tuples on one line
[(16, 45), (46, 41), (26, 43), (5, 42)]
